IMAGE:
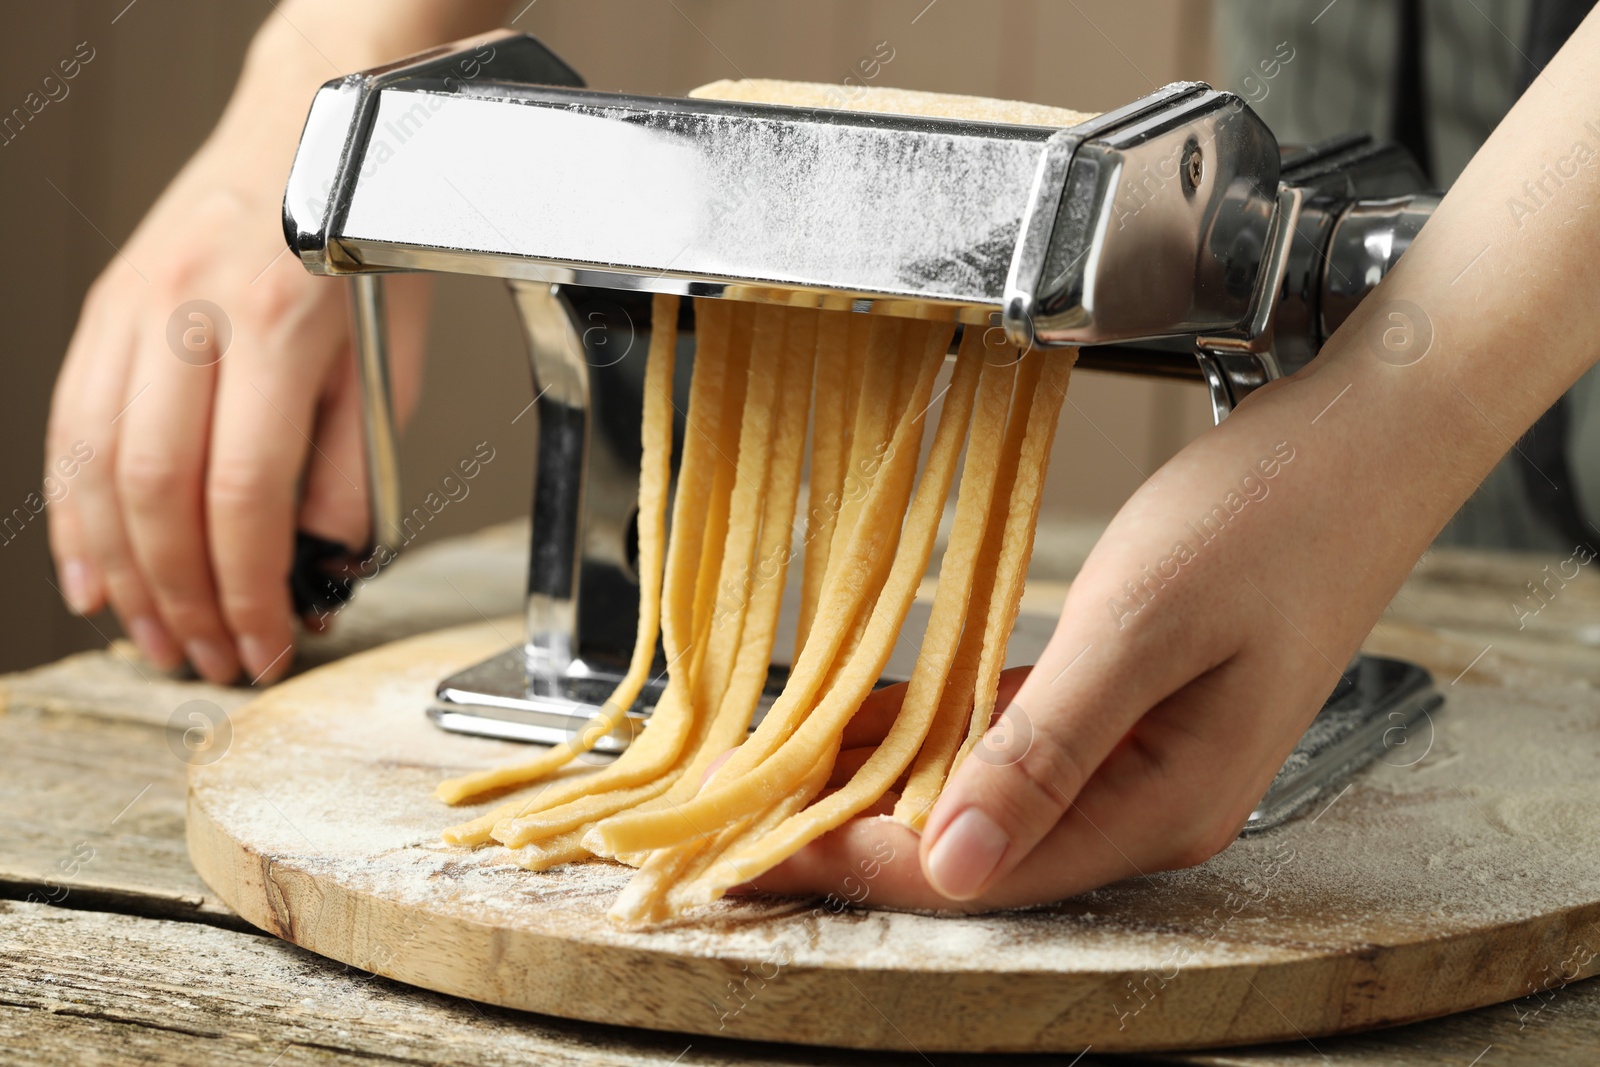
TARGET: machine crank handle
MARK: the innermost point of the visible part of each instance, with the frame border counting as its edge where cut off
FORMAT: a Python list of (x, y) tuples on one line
[(323, 574)]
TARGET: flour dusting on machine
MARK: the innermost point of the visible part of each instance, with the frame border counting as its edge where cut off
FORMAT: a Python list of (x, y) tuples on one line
[(1170, 237)]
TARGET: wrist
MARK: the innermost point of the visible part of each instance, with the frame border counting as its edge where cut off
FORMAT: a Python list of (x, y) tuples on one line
[(1439, 414), (303, 45), (312, 41), (261, 124)]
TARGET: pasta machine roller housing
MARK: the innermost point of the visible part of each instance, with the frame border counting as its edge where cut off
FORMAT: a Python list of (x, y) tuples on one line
[(1169, 237)]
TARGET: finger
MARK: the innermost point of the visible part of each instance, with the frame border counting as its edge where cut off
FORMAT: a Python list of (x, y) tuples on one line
[(160, 474), (98, 401), (259, 442), (1157, 802), (849, 761), (1153, 805), (125, 588), (874, 717), (877, 713), (1075, 706), (66, 451), (878, 853), (80, 580), (409, 298), (715, 765), (333, 502), (1074, 857)]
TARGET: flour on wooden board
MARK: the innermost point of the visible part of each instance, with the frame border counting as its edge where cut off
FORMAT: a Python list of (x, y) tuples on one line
[(1493, 826)]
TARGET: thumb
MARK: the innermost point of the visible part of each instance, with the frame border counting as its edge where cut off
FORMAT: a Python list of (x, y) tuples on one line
[(334, 503), (333, 499), (1027, 768)]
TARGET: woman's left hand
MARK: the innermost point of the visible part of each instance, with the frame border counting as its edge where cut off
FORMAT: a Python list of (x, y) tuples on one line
[(1202, 635)]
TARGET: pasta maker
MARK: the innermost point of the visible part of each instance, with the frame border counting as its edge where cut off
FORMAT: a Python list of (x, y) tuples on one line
[(1170, 237)]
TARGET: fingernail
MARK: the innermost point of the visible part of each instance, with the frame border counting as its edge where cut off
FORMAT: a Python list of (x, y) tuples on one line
[(154, 643), (75, 586), (966, 854), (265, 663), (212, 660), (714, 766)]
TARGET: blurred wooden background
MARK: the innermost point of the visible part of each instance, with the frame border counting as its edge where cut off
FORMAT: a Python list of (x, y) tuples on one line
[(162, 72)]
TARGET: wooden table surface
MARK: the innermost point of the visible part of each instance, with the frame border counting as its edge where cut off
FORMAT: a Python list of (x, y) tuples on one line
[(115, 952)]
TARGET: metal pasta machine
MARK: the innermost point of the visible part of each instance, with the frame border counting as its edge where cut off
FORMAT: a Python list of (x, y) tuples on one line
[(1170, 237)]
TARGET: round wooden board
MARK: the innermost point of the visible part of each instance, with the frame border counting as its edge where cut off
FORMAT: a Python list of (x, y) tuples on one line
[(1459, 872)]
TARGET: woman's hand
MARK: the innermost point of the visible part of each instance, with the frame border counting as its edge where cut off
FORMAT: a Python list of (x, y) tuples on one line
[(183, 521), (1200, 638), (1214, 616), (212, 376)]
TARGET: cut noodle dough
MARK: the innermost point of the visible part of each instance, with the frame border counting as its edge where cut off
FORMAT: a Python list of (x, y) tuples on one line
[(1016, 544), (765, 369), (830, 459), (694, 835), (655, 472), (939, 643), (960, 703)]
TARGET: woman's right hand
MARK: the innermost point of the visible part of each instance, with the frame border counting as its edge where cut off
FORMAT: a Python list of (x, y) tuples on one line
[(212, 377)]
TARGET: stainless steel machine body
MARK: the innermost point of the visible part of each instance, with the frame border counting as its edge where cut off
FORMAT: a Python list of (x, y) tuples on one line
[(1170, 237)]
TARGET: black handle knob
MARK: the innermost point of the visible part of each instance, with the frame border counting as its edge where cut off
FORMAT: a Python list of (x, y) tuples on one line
[(322, 578)]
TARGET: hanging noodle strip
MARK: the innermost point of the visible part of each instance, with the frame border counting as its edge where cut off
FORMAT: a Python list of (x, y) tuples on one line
[(712, 593)]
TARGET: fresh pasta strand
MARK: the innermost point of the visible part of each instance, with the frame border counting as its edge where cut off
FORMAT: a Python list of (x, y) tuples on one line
[(982, 635), (715, 507), (686, 892), (956, 577), (655, 472), (713, 335), (896, 494), (842, 595), (761, 602), (732, 720), (1017, 544), (830, 457), (552, 853), (718, 585), (748, 393), (899, 492), (874, 411), (756, 602), (750, 470), (643, 900), (858, 335), (659, 889), (734, 794), (706, 394)]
